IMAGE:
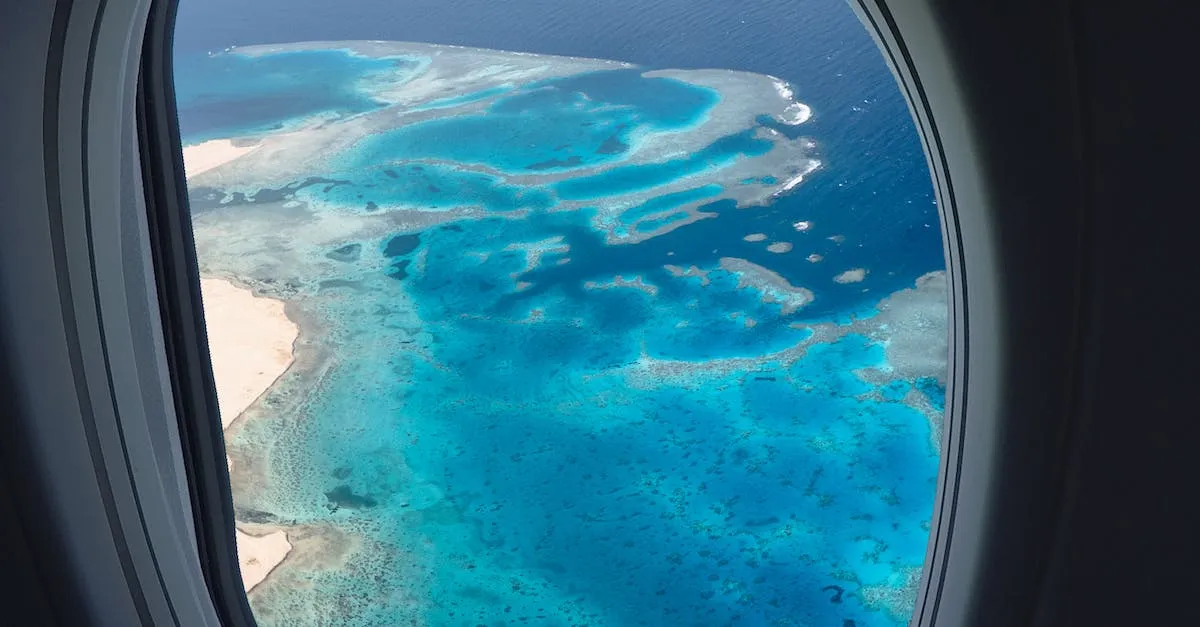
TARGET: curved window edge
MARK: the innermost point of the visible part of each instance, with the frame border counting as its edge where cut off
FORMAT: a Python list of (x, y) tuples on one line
[(879, 22), (1012, 372), (133, 499), (186, 346), (101, 486)]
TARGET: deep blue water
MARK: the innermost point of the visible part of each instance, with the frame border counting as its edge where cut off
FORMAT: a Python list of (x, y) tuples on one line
[(569, 492)]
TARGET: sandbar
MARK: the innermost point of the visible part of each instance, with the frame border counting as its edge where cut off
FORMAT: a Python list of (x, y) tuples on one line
[(855, 275), (250, 339), (259, 555), (774, 287), (207, 155)]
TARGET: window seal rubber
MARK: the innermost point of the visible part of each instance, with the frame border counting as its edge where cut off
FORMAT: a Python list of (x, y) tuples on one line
[(189, 362)]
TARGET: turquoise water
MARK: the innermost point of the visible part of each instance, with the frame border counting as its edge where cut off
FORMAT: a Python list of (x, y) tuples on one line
[(549, 125), (527, 474), (242, 95), (528, 425)]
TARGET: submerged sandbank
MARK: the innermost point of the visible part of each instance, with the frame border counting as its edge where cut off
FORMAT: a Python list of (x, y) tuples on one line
[(207, 155), (250, 339)]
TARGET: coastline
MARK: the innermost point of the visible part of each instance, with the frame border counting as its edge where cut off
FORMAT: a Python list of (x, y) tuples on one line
[(251, 341), (259, 344)]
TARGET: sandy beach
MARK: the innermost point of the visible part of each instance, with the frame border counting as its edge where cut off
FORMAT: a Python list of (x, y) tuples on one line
[(207, 155), (250, 340), (259, 555)]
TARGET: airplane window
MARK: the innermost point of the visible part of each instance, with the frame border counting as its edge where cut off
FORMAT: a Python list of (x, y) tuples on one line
[(566, 312)]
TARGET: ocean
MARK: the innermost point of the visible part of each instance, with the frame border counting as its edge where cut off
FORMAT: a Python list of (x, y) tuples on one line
[(875, 188), (520, 473)]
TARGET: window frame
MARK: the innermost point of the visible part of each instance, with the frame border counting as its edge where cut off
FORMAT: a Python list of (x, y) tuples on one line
[(122, 487), (1007, 427), (92, 445)]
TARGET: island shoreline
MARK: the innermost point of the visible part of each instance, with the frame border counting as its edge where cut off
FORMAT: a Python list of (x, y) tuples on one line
[(237, 317)]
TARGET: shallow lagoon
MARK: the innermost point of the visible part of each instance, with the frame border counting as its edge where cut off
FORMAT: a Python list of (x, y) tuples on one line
[(525, 422), (228, 94)]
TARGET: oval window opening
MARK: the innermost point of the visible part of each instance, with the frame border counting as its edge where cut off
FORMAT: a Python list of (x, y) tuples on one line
[(544, 313)]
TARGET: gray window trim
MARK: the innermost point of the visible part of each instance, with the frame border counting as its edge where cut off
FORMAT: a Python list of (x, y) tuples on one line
[(95, 433), (95, 391), (1007, 425)]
